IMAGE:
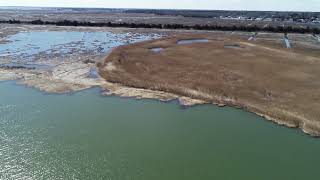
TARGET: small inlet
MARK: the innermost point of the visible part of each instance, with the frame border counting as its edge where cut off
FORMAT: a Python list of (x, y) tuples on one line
[(286, 41), (93, 73), (233, 46)]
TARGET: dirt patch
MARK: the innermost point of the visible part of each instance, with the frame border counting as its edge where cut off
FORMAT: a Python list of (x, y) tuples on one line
[(261, 76)]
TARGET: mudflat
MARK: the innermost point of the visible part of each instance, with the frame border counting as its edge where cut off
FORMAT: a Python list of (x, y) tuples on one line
[(261, 75)]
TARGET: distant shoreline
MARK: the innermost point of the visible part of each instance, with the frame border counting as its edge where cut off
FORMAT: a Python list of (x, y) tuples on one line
[(124, 9), (255, 28)]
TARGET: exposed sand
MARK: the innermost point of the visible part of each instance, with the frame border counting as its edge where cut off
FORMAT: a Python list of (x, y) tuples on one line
[(72, 73), (74, 76), (260, 76)]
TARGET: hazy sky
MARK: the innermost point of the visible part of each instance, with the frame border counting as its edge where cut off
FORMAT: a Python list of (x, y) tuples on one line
[(282, 5)]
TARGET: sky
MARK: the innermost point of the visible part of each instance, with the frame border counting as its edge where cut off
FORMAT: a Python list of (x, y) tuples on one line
[(273, 5)]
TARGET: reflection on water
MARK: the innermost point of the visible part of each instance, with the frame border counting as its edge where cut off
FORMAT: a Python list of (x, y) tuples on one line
[(86, 136), (25, 45), (191, 41), (156, 50)]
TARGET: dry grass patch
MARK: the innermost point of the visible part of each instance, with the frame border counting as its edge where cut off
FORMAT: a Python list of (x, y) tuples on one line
[(261, 76)]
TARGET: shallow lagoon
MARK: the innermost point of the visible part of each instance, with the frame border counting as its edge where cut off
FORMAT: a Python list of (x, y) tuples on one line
[(87, 136), (25, 45)]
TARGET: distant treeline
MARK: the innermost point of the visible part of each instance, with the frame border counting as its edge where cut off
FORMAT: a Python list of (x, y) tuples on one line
[(278, 29), (218, 13)]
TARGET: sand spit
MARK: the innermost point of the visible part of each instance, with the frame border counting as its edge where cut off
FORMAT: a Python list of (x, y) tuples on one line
[(261, 76), (73, 72), (74, 76)]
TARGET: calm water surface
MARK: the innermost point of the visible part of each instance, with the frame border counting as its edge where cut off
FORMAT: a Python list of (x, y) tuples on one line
[(86, 136), (191, 41), (24, 45)]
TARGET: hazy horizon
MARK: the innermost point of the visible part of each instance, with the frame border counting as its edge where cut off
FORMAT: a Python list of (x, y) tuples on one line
[(241, 5), (151, 8)]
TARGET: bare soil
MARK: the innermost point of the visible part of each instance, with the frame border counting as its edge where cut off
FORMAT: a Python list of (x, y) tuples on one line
[(261, 76)]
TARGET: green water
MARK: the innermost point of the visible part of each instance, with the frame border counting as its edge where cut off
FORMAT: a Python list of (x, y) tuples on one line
[(87, 136)]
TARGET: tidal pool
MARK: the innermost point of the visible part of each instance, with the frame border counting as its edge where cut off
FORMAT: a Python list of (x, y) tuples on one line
[(156, 50), (191, 41), (86, 136), (233, 46)]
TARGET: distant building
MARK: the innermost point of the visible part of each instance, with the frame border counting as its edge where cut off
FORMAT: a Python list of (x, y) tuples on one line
[(267, 19), (317, 21)]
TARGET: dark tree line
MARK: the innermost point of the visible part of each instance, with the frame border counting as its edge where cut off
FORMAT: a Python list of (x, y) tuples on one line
[(278, 29), (218, 13), (13, 21)]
